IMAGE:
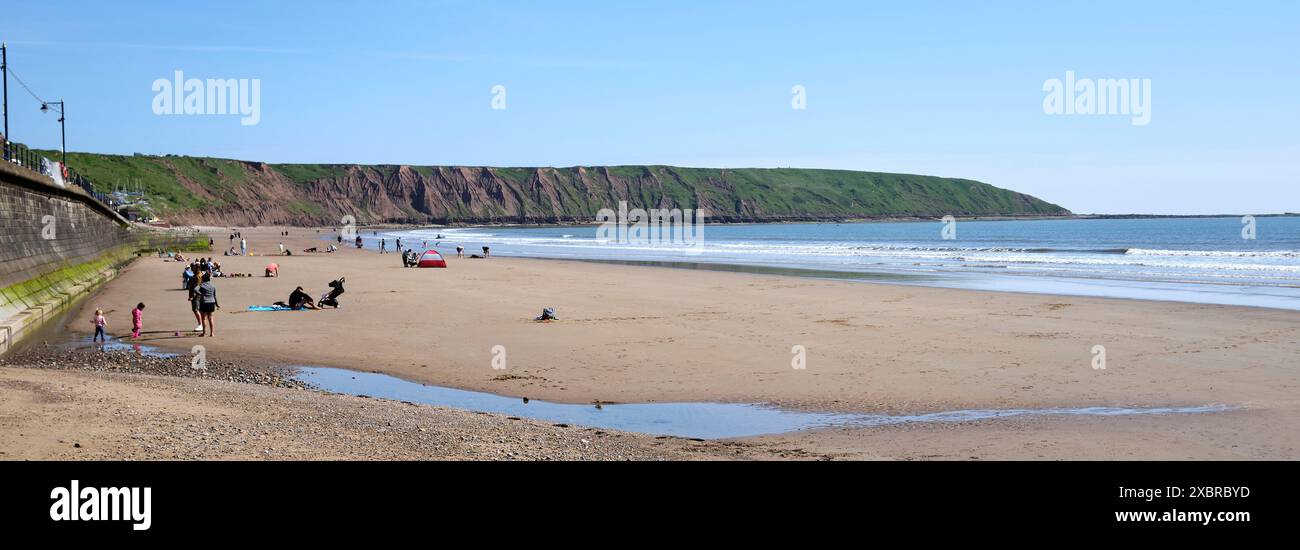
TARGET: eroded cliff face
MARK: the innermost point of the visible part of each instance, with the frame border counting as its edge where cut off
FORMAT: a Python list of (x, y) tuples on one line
[(226, 192)]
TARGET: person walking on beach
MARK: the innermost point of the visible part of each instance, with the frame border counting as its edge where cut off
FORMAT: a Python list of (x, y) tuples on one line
[(100, 324), (399, 244), (382, 245), (243, 247), (208, 304), (137, 320)]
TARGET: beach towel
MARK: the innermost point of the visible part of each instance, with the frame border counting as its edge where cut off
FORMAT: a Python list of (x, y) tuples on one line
[(270, 308)]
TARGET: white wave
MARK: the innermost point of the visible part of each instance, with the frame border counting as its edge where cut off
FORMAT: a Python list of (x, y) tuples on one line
[(1215, 253)]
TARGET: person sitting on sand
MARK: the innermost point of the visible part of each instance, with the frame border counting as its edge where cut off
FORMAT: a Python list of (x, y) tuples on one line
[(298, 300)]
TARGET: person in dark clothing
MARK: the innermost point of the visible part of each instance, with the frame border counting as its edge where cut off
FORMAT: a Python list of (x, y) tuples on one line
[(299, 299), (195, 299)]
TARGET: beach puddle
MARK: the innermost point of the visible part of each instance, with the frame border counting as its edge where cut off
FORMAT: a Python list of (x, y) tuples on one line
[(690, 420), (116, 344)]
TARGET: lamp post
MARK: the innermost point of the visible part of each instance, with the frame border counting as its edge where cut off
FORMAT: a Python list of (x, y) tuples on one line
[(63, 131), (4, 69)]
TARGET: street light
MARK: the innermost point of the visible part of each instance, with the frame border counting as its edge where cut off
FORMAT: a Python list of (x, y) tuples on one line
[(63, 131)]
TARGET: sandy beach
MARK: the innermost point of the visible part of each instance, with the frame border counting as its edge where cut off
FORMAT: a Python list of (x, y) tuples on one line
[(647, 334)]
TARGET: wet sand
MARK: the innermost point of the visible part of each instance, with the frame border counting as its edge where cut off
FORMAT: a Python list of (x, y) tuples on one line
[(647, 334)]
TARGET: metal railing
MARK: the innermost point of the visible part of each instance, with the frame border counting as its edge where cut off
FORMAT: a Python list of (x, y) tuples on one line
[(24, 157)]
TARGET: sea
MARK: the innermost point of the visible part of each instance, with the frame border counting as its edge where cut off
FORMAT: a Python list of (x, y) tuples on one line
[(1210, 260)]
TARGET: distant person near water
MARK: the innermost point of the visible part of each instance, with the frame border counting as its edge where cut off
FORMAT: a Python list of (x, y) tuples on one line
[(485, 252), (243, 247), (460, 252)]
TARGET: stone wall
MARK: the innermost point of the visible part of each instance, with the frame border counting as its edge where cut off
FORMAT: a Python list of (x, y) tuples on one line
[(57, 245)]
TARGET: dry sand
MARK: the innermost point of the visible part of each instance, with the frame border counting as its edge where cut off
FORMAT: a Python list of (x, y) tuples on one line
[(644, 334)]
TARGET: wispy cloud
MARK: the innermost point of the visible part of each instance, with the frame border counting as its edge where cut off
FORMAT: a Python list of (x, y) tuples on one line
[(530, 61), (162, 47)]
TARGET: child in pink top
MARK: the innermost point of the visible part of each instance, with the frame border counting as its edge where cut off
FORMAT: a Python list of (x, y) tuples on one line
[(100, 322), (137, 320)]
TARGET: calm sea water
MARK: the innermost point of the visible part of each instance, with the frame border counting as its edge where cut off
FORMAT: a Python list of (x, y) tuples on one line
[(1204, 260)]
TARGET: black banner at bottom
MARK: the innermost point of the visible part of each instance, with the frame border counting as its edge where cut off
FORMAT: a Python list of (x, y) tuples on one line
[(150, 501)]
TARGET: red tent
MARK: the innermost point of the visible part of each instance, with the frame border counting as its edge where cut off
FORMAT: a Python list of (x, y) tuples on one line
[(431, 258)]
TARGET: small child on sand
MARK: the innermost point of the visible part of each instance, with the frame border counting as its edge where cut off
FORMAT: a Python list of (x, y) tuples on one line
[(99, 322), (137, 320)]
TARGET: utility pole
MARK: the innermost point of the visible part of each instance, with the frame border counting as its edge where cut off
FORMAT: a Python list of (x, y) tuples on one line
[(4, 68), (63, 131)]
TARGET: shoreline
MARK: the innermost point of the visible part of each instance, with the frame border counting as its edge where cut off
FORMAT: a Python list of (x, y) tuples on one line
[(632, 334), (884, 219)]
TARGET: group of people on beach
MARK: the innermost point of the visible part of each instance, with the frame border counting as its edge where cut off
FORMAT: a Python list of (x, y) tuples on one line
[(202, 295)]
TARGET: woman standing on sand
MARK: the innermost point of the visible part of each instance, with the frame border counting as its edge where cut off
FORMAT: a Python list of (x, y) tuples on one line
[(208, 304), (195, 299)]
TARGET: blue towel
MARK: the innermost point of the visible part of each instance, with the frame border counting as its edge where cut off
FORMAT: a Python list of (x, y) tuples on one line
[(269, 308)]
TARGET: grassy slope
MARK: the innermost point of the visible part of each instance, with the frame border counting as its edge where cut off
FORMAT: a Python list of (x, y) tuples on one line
[(776, 192)]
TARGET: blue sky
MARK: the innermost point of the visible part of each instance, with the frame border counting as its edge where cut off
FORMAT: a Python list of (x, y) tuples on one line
[(942, 88)]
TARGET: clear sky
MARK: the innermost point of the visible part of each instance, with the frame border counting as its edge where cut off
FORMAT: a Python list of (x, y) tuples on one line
[(941, 88)]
